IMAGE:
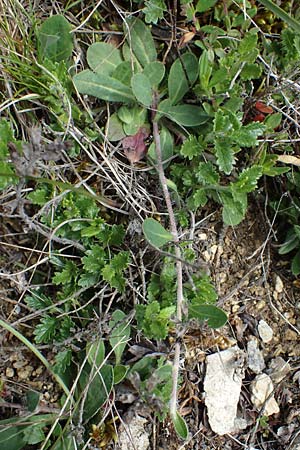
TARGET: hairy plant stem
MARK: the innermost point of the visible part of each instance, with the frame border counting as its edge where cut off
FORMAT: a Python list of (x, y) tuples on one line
[(174, 231)]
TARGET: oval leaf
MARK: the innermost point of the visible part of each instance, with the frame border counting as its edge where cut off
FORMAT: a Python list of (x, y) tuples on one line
[(141, 88), (54, 39), (186, 115), (120, 373), (103, 87), (140, 40), (155, 233), (103, 58), (215, 317), (180, 425), (96, 353), (154, 71), (183, 74)]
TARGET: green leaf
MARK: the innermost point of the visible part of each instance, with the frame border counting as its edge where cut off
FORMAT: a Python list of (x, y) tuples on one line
[(155, 233), (38, 301), (96, 353), (103, 87), (55, 40), (114, 127), (45, 330), (296, 264), (94, 388), (120, 373), (123, 73), (180, 425), (251, 71), (119, 333), (205, 70), (32, 400), (140, 40), (191, 147), (34, 434), (103, 58), (215, 317), (183, 74), (273, 121), (204, 5), (234, 209), (247, 181), (224, 154), (63, 360), (167, 147), (207, 174), (141, 88), (113, 271), (247, 135), (291, 242), (186, 115), (94, 259), (154, 10), (154, 71)]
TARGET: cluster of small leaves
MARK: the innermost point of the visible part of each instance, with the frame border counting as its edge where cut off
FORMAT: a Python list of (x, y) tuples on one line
[(156, 318)]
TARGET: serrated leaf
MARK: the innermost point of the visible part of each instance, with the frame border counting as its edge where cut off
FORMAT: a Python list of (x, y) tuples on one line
[(141, 89), (180, 425), (191, 147), (103, 87), (140, 40), (225, 155), (154, 71), (247, 181), (207, 174), (45, 330), (186, 115), (103, 58), (215, 317), (155, 233), (54, 39), (234, 210), (251, 71), (183, 74), (247, 135), (154, 10)]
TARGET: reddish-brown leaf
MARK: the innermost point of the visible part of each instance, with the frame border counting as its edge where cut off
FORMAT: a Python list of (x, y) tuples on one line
[(134, 146), (261, 107)]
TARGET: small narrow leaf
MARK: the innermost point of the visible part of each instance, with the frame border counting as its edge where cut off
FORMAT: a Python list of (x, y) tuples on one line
[(141, 88), (96, 353), (103, 58), (180, 425), (103, 87), (155, 233), (215, 317)]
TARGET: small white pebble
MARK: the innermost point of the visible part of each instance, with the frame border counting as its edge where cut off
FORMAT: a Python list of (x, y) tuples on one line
[(278, 284), (9, 372), (265, 331)]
